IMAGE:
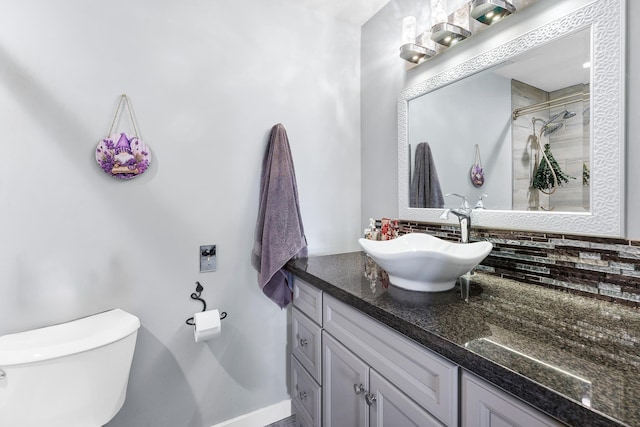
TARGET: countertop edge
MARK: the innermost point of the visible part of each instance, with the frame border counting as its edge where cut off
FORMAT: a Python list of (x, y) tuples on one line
[(543, 398)]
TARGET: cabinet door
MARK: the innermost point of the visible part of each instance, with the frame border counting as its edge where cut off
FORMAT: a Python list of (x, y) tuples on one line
[(486, 406), (389, 407), (345, 383)]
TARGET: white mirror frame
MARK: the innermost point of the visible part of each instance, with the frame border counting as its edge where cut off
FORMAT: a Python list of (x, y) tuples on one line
[(606, 215)]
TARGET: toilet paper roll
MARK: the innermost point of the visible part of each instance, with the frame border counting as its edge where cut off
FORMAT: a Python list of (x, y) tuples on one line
[(207, 325)]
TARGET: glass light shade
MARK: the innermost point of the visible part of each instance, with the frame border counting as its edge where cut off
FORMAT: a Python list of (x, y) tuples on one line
[(409, 30), (424, 39), (438, 11), (461, 17)]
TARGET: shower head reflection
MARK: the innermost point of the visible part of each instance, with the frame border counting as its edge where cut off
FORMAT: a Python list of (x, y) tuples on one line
[(563, 115), (551, 128)]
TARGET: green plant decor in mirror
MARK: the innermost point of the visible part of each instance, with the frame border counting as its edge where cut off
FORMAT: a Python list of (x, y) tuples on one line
[(548, 174)]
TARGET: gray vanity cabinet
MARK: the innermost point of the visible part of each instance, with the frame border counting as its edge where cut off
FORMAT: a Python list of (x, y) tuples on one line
[(351, 370), (380, 376), (358, 372)]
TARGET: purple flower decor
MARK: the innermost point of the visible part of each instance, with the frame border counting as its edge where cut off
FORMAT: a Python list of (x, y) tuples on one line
[(477, 175), (126, 159)]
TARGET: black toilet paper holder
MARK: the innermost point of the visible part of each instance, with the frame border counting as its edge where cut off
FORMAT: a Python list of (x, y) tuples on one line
[(196, 296)]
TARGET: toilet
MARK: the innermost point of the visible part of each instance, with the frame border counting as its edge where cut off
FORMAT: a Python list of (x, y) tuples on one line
[(74, 374)]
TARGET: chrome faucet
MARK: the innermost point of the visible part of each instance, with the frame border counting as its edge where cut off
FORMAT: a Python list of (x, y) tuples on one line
[(464, 217), (480, 203)]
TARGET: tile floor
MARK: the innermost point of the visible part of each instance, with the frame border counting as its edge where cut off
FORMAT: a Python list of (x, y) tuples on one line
[(287, 422)]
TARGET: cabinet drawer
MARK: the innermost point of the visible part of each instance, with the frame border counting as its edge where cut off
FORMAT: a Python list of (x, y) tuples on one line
[(307, 394), (306, 344), (484, 405), (425, 377), (308, 299)]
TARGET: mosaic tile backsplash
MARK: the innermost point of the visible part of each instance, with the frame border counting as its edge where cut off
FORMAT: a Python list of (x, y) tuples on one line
[(598, 267)]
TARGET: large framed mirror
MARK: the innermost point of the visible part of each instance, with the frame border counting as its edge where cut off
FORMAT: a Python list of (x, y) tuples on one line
[(542, 114)]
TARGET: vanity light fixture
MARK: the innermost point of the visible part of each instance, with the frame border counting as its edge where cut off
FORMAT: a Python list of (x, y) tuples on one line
[(444, 32), (448, 34), (491, 11), (415, 53), (413, 49), (449, 29)]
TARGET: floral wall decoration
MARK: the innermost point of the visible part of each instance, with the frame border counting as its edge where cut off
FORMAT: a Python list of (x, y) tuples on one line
[(127, 157)]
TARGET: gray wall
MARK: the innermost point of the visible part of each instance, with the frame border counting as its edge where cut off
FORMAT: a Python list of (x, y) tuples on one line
[(207, 80), (450, 114), (384, 75)]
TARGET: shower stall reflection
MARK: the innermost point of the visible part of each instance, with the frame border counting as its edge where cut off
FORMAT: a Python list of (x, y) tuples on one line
[(550, 140)]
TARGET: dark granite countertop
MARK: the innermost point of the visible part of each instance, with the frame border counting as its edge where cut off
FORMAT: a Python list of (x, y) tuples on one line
[(573, 357)]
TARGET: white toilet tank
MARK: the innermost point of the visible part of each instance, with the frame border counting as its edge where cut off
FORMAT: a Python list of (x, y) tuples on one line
[(74, 374)]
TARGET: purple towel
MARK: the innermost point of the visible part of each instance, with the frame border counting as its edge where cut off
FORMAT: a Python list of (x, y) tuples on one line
[(279, 231), (425, 189)]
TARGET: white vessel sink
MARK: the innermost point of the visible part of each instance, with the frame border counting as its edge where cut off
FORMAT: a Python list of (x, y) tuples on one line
[(422, 262)]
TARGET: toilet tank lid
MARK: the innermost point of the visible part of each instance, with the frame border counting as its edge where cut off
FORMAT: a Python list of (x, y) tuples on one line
[(67, 338)]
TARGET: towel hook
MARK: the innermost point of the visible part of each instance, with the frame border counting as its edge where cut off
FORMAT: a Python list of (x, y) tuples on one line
[(196, 296)]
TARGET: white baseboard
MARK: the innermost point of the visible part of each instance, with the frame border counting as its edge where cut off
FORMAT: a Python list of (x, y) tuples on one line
[(261, 417)]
